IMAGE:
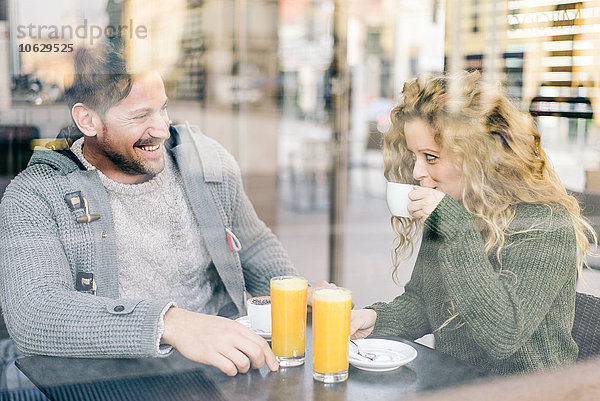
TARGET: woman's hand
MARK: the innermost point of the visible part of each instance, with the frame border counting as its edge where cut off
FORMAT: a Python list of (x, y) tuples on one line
[(362, 322), (423, 201)]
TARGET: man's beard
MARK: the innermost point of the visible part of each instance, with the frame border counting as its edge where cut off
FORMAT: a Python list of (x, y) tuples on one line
[(126, 165), (131, 167)]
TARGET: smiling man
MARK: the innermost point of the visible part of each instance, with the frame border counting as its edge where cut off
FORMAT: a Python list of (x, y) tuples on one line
[(134, 238), (126, 143)]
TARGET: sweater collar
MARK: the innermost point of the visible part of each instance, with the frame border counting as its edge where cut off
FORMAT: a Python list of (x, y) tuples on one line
[(59, 156)]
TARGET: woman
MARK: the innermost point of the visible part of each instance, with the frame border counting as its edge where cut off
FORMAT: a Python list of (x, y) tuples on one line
[(502, 242)]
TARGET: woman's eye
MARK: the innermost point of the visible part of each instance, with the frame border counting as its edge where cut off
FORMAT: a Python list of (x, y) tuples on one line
[(430, 158)]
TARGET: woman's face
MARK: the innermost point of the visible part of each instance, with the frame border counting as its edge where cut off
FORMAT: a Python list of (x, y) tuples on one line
[(432, 168)]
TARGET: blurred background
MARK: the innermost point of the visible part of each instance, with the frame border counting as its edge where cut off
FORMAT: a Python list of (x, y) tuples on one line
[(299, 91)]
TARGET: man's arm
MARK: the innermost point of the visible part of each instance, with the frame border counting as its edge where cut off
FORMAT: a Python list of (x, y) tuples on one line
[(43, 312), (262, 256), (45, 315)]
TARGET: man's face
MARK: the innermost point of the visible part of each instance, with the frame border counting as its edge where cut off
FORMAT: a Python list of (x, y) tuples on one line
[(129, 148)]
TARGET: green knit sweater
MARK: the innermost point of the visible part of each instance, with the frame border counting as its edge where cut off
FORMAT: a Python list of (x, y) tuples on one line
[(513, 316)]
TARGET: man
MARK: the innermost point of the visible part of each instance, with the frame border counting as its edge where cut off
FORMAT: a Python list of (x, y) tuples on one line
[(136, 237)]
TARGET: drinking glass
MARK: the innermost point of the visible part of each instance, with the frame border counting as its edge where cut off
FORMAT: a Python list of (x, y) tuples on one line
[(331, 332), (288, 319)]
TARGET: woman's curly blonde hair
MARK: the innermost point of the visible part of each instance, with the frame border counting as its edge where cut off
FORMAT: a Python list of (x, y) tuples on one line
[(496, 145)]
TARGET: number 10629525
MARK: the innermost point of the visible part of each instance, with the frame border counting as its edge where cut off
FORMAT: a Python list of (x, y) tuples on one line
[(45, 48)]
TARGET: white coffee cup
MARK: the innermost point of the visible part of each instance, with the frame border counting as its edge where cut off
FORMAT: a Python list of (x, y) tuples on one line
[(259, 312), (397, 198)]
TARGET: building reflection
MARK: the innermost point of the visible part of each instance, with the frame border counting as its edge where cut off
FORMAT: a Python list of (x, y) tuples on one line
[(258, 77)]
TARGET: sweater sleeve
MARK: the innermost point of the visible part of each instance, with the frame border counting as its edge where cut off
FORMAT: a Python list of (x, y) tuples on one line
[(262, 256), (503, 308), (44, 313), (405, 316)]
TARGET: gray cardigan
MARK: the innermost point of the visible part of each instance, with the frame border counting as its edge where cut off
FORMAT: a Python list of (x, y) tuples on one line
[(46, 255)]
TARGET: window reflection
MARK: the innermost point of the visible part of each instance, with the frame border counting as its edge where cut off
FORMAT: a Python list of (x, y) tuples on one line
[(257, 76)]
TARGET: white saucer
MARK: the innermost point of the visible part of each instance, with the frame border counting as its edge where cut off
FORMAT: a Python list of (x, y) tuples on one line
[(245, 320), (389, 354)]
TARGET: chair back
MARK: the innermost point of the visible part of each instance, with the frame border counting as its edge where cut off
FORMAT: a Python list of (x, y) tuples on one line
[(586, 327)]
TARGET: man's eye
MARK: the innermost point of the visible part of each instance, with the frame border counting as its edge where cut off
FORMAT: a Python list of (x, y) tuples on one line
[(140, 116)]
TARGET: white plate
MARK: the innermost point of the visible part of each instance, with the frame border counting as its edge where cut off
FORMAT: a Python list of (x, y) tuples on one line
[(245, 320), (389, 354)]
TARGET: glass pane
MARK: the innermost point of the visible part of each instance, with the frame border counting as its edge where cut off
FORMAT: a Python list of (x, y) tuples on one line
[(300, 93)]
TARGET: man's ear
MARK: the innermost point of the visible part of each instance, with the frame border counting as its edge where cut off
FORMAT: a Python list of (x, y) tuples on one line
[(86, 119)]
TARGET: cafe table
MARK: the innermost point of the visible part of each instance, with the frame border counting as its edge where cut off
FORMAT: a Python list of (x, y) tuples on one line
[(177, 378)]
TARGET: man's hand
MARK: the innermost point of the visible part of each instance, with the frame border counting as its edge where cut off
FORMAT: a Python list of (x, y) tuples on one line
[(362, 322), (311, 288), (423, 201), (217, 341)]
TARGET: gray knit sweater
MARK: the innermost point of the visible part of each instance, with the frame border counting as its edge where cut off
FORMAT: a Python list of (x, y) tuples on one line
[(46, 255), (160, 250), (513, 315)]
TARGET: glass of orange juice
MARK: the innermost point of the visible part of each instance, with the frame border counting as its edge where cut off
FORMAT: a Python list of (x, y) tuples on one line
[(288, 319), (331, 331)]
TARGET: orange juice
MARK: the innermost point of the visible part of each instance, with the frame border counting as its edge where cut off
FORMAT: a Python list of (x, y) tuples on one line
[(331, 330), (288, 319)]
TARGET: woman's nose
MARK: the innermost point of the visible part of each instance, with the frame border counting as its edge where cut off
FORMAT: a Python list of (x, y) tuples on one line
[(419, 170)]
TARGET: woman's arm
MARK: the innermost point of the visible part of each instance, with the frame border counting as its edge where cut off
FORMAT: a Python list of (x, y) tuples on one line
[(503, 308), (404, 316)]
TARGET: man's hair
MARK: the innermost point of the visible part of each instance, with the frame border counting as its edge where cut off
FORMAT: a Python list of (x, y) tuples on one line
[(100, 78)]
